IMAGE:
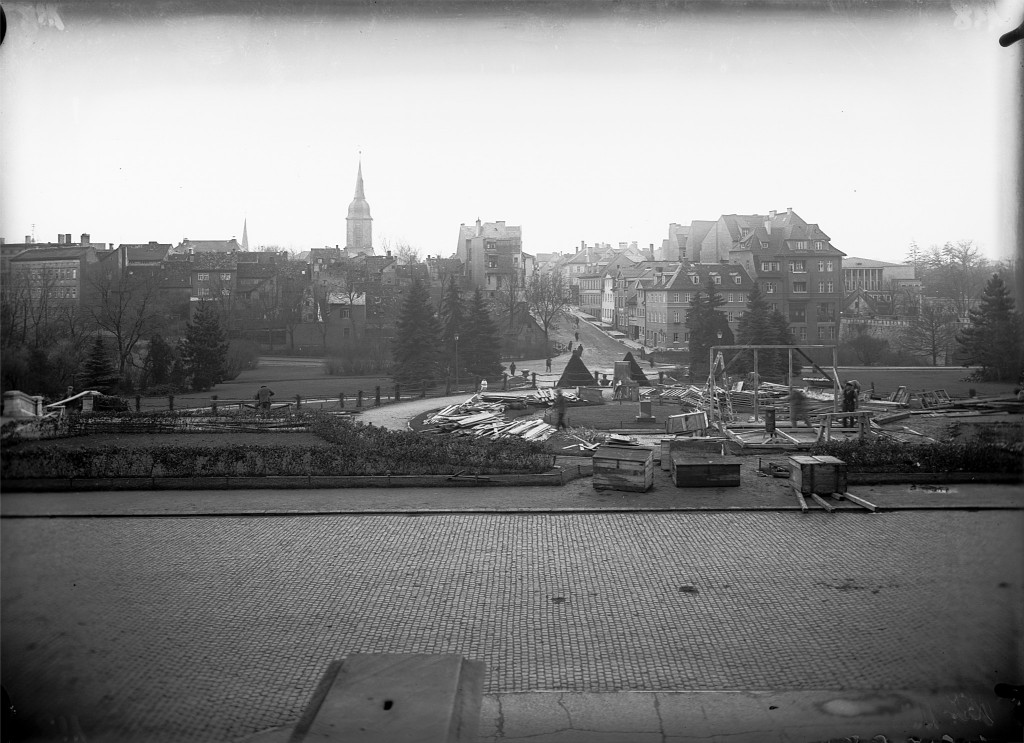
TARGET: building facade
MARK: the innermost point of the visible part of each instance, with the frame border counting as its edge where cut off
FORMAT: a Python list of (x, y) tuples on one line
[(359, 223), (492, 253)]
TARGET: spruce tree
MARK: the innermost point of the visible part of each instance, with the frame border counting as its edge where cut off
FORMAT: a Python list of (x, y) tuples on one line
[(993, 338), (417, 347), (205, 349), (452, 315), (98, 371), (705, 321), (159, 361), (783, 336), (755, 329), (482, 346)]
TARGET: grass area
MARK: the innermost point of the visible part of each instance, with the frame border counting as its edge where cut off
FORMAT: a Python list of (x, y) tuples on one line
[(921, 379)]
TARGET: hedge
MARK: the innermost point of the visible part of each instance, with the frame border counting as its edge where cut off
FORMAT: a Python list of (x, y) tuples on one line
[(349, 449), (885, 456)]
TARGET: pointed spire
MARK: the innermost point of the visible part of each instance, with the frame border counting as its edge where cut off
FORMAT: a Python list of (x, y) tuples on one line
[(245, 235), (359, 181)]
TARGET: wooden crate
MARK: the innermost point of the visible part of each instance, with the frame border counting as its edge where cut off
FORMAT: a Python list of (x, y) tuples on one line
[(685, 422), (689, 445), (821, 475), (704, 471), (629, 468)]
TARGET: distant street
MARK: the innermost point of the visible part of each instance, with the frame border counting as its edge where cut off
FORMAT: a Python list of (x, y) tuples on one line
[(216, 628)]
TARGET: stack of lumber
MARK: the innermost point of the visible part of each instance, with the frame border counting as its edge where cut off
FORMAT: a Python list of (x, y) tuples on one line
[(481, 419)]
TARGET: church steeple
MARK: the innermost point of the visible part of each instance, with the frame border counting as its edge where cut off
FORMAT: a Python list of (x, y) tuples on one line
[(359, 223)]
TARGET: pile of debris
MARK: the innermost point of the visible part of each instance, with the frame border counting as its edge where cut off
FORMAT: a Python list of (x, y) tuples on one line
[(483, 418)]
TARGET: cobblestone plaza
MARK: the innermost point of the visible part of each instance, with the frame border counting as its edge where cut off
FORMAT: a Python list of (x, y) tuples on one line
[(216, 628)]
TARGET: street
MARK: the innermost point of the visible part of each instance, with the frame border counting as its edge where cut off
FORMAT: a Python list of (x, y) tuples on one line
[(216, 628)]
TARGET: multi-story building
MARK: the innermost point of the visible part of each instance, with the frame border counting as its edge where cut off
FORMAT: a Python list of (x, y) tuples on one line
[(46, 276), (876, 288), (493, 255), (793, 262), (667, 297)]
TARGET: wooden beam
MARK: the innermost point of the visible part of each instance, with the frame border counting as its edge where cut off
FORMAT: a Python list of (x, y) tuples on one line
[(801, 501), (859, 501), (823, 503)]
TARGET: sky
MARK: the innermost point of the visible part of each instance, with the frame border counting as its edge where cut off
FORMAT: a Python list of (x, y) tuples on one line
[(595, 123)]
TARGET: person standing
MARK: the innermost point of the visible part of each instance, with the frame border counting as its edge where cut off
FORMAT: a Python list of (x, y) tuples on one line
[(547, 365), (798, 408), (560, 405), (262, 397), (512, 369), (849, 403)]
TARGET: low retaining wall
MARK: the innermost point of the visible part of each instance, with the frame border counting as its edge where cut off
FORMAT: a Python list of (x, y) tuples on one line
[(925, 478), (64, 484)]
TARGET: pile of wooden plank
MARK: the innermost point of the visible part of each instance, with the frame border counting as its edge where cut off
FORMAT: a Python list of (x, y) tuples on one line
[(480, 418)]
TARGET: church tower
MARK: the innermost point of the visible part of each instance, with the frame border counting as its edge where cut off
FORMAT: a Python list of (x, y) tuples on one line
[(359, 223)]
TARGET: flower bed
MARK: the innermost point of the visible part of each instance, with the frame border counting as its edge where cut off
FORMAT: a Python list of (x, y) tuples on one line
[(884, 456)]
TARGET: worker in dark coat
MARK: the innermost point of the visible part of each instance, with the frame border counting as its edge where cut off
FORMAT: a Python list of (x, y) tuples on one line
[(849, 402)]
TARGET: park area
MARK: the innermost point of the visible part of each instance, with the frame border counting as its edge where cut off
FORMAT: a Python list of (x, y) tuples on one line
[(320, 438)]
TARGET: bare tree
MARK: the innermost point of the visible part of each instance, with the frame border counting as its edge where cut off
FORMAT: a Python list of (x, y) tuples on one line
[(507, 296), (402, 251), (930, 332), (956, 272), (548, 297), (127, 304)]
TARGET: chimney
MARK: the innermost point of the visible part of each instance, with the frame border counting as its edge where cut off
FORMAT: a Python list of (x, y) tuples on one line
[(389, 254), (789, 210), (67, 238), (28, 239), (191, 251), (85, 238), (772, 213), (479, 228), (60, 238)]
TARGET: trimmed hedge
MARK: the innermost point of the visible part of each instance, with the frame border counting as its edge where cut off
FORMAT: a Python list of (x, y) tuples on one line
[(350, 449), (884, 456)]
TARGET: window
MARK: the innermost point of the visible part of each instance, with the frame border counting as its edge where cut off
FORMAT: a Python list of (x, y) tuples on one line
[(803, 335), (797, 314), (828, 265), (731, 297), (730, 316), (798, 266), (737, 279), (204, 291), (675, 315), (717, 278), (831, 332), (819, 245), (687, 298), (675, 297), (204, 277), (769, 287), (225, 277), (773, 306), (686, 337), (226, 292), (695, 279), (800, 287), (764, 244), (675, 337), (829, 287), (821, 265), (769, 265), (344, 313), (821, 287)]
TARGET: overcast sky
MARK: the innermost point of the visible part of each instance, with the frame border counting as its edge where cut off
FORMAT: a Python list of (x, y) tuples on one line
[(145, 124)]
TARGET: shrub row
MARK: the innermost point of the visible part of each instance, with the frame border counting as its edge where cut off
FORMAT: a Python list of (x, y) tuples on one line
[(884, 456)]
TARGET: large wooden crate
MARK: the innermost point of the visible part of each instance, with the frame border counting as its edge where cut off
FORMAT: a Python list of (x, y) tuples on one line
[(822, 475), (689, 445), (629, 468), (685, 422), (704, 470)]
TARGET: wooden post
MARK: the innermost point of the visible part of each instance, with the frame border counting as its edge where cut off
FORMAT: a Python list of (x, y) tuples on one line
[(298, 402), (213, 404), (359, 399), (170, 402), (138, 403), (376, 397), (823, 503), (789, 378), (423, 389), (859, 501), (398, 392), (341, 400), (757, 380)]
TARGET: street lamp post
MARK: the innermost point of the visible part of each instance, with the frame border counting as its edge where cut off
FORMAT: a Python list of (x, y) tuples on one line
[(456, 361)]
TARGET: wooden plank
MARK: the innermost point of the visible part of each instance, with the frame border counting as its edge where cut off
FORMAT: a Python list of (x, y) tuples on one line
[(801, 501), (860, 501), (823, 503)]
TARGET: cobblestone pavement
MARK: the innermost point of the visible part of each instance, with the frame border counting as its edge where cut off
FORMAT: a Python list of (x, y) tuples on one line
[(216, 628)]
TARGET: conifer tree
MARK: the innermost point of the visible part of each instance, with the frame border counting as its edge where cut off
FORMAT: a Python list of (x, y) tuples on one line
[(205, 348), (417, 340), (783, 336), (98, 371), (482, 344), (158, 361), (755, 329), (452, 315), (993, 338), (705, 321)]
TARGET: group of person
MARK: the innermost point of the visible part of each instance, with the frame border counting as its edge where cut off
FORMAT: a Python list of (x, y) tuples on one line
[(799, 407)]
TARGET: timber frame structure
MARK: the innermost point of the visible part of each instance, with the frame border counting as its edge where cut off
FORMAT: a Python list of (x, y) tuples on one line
[(715, 359)]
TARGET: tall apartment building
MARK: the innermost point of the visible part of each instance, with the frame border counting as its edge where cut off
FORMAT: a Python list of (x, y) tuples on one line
[(492, 253), (794, 263)]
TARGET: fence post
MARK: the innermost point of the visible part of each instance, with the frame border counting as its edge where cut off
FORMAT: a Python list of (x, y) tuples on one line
[(170, 402), (376, 398), (213, 403), (398, 392), (359, 399), (423, 389), (535, 380), (298, 401), (341, 400), (138, 403)]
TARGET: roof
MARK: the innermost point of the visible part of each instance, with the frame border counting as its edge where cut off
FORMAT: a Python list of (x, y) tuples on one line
[(146, 252), (853, 262), (496, 230), (357, 299), (682, 278), (214, 261), (208, 246), (256, 270), (52, 254)]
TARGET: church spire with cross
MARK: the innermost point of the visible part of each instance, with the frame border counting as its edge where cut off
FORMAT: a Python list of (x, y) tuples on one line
[(359, 223)]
